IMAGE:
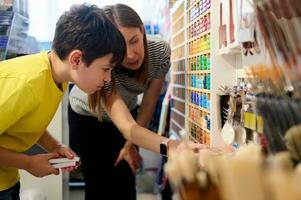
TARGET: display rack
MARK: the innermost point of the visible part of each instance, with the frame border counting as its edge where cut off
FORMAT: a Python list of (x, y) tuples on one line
[(178, 56), (198, 72), (198, 69), (14, 26)]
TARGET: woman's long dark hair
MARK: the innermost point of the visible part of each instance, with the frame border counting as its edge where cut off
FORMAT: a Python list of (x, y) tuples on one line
[(124, 16)]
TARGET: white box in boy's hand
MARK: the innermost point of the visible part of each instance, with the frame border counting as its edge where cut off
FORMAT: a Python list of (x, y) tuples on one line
[(63, 162)]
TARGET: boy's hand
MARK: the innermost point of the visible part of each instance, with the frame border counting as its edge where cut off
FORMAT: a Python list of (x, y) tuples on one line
[(39, 166), (65, 152)]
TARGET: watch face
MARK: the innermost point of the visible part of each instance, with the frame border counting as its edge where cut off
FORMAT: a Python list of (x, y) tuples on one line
[(163, 149)]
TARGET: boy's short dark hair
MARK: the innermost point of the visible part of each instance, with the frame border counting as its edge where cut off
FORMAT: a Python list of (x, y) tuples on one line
[(86, 28)]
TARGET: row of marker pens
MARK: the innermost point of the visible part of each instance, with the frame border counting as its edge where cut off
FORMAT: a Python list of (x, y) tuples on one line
[(201, 7), (200, 117), (201, 62), (200, 99), (200, 81), (200, 44), (200, 26), (199, 134)]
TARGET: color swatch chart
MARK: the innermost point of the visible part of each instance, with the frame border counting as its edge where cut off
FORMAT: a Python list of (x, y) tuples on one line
[(198, 88)]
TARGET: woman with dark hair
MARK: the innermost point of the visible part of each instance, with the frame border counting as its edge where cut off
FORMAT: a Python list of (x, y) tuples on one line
[(142, 71)]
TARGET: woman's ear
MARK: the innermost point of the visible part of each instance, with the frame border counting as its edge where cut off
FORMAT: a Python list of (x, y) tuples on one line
[(141, 28)]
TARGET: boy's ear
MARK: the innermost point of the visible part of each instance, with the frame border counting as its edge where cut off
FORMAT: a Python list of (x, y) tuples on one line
[(75, 58)]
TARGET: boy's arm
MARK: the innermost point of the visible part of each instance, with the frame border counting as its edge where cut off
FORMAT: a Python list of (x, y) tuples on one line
[(17, 100), (50, 144), (13, 159), (37, 165)]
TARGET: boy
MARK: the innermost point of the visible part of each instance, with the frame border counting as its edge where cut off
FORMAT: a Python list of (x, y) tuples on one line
[(86, 46)]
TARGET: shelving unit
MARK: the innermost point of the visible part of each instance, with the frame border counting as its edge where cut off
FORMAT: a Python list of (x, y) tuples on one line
[(6, 18), (178, 55), (14, 26), (199, 73), (198, 70)]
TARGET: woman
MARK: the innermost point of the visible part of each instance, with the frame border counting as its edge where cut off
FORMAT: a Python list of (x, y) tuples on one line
[(142, 71)]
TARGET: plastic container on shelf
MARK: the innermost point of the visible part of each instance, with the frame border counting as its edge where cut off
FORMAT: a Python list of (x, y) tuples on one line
[(13, 31)]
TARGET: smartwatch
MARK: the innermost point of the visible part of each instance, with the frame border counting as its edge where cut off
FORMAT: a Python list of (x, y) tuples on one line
[(164, 147)]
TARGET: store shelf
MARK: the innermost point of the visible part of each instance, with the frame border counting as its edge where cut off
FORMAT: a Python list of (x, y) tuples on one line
[(14, 31), (176, 7), (193, 139), (178, 72), (178, 86), (229, 51), (200, 54), (177, 124), (177, 20), (199, 125), (200, 108), (193, 5), (200, 35), (177, 46), (199, 90), (178, 59), (176, 134), (177, 33), (178, 112), (199, 17), (178, 99), (199, 72)]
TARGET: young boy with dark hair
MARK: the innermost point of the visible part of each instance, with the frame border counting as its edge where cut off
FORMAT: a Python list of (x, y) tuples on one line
[(86, 47)]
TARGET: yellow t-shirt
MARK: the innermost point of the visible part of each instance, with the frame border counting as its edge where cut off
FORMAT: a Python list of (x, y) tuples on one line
[(29, 99)]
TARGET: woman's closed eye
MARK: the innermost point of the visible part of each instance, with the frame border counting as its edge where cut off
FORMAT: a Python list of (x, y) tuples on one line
[(134, 41)]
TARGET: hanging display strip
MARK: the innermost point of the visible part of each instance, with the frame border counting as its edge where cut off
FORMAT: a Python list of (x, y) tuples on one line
[(198, 73)]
